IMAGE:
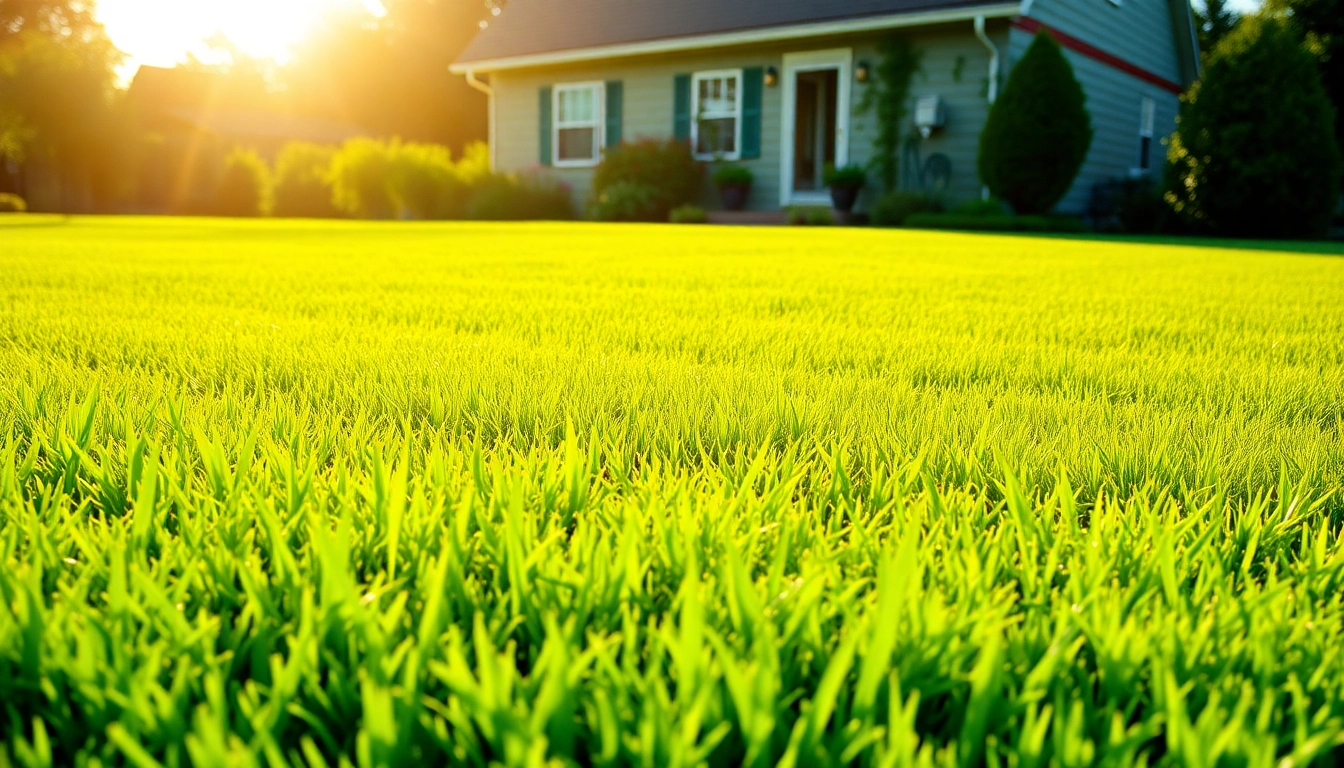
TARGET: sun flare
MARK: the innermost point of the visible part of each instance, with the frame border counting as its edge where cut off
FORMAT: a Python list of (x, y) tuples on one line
[(164, 32)]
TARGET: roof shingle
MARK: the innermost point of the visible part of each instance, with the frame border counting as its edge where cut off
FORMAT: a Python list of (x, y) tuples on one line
[(528, 27)]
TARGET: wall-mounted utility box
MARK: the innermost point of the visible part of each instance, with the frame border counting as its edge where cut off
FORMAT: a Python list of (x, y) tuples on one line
[(930, 115)]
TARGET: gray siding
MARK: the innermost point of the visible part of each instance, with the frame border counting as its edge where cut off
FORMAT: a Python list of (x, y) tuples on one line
[(955, 66), (1138, 31), (1113, 96)]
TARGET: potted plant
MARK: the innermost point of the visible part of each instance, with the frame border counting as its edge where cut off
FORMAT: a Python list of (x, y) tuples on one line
[(845, 183), (734, 183)]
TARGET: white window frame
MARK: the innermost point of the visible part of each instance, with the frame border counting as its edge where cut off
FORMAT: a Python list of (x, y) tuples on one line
[(598, 123), (1147, 125), (696, 117)]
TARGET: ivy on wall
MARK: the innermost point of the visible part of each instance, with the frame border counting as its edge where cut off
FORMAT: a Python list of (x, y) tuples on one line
[(887, 97)]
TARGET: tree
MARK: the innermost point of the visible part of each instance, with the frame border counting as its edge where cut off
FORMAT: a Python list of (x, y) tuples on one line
[(1321, 23), (390, 75), (244, 189), (1214, 23), (1038, 131), (1254, 154), (58, 105)]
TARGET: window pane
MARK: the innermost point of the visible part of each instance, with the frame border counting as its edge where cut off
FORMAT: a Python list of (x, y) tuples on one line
[(576, 143), (577, 106), (718, 95), (717, 136)]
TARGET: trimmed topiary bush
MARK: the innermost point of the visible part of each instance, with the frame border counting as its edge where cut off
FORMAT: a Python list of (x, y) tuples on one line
[(244, 188), (1038, 131), (302, 186), (1255, 154)]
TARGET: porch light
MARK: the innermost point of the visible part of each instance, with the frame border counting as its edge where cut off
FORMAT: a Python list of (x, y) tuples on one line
[(862, 72), (771, 77)]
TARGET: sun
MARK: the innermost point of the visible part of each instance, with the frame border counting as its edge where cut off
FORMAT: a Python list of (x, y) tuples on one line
[(163, 32)]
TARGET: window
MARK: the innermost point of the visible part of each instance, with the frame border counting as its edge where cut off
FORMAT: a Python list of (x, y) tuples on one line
[(578, 125), (716, 105), (1147, 117)]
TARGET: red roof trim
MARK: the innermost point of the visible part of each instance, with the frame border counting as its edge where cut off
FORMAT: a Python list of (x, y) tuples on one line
[(1032, 26)]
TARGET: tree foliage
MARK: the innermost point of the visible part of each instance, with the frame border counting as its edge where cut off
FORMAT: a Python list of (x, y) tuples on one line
[(1254, 155), (1038, 131), (244, 189), (390, 76), (1213, 23), (58, 104), (1321, 22)]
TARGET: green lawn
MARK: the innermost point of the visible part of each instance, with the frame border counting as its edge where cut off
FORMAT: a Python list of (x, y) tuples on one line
[(394, 494)]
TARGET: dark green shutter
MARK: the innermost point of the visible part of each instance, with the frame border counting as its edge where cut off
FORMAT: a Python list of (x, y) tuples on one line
[(681, 107), (753, 83), (615, 105), (545, 136)]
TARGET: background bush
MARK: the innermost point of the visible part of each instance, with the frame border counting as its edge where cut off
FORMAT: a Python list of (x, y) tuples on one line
[(12, 203), (626, 201), (666, 167), (689, 214), (244, 188), (1000, 222), (423, 183), (893, 208), (526, 197), (1255, 154), (359, 177), (1038, 131), (302, 186)]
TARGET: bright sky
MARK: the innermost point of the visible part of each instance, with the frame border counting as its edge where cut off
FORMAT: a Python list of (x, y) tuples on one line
[(163, 32)]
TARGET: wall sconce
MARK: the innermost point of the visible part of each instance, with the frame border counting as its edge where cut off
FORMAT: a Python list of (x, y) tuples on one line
[(771, 77), (862, 72)]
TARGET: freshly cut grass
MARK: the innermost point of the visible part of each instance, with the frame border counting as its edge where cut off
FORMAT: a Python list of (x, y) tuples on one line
[(287, 493)]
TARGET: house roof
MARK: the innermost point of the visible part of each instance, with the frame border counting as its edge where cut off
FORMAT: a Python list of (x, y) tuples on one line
[(526, 30)]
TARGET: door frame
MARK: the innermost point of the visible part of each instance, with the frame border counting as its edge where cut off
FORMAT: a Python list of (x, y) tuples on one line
[(842, 60)]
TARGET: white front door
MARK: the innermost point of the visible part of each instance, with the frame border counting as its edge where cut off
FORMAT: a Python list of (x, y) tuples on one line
[(817, 88)]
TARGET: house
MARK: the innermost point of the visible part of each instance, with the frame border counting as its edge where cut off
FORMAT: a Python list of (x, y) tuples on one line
[(778, 84), (194, 119)]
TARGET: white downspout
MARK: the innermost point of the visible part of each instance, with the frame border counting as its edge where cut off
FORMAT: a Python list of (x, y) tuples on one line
[(993, 90), (490, 112), (993, 57)]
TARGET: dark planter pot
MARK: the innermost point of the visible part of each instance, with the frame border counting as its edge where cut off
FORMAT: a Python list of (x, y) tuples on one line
[(734, 196), (844, 198)]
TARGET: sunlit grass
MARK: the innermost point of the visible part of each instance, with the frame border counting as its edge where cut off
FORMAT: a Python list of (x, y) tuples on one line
[(396, 494)]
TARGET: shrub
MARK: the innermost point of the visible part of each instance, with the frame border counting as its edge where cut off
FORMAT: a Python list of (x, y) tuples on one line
[(893, 208), (424, 184), (626, 201), (359, 179), (12, 203), (303, 181), (666, 167), (1001, 222), (689, 214), (811, 217), (528, 197), (1143, 210), (1038, 131), (733, 176), (851, 176), (244, 187), (981, 207), (1255, 152)]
